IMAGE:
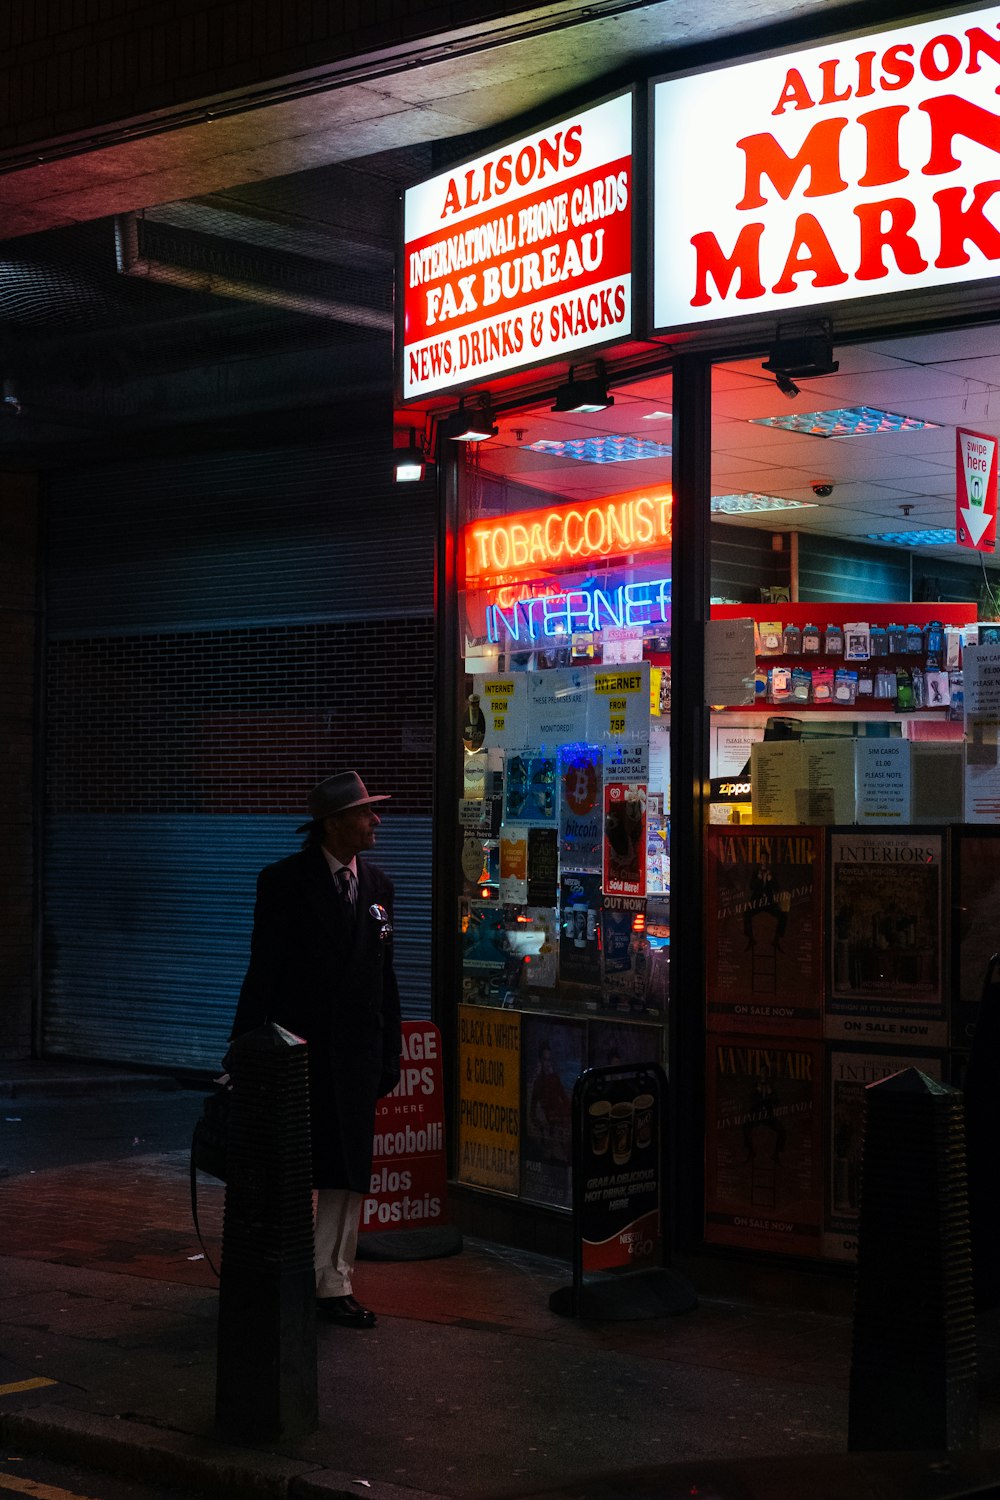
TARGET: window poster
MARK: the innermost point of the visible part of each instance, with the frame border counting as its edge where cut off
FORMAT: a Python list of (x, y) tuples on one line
[(496, 712), (580, 833), (557, 706), (489, 1122), (886, 937), (764, 1144), (763, 924), (657, 845), (611, 1043), (627, 760), (529, 787), (619, 707), (485, 956), (533, 941), (579, 941), (624, 838), (850, 1072), (513, 863), (543, 866), (622, 972), (975, 937), (554, 1056), (480, 868)]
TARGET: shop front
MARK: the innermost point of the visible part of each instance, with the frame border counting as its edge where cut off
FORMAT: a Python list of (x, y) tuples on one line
[(710, 370)]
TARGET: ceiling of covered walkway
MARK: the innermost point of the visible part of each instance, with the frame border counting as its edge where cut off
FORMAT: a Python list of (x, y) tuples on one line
[(256, 276)]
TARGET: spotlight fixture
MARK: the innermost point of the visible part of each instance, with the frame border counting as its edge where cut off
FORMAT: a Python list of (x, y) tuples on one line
[(409, 463), (473, 422), (804, 357), (584, 395)]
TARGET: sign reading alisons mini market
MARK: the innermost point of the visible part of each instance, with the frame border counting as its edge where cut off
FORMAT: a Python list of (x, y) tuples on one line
[(840, 171)]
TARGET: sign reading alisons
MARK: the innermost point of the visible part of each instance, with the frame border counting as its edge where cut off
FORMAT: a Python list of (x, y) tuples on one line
[(520, 256), (840, 171)]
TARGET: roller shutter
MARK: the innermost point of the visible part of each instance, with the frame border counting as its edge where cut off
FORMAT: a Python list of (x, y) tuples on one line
[(171, 572)]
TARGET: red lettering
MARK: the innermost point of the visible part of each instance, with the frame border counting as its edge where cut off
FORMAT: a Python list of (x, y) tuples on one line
[(573, 145), (829, 95), (811, 252), (711, 261), (929, 65), (981, 41), (896, 65), (882, 156), (950, 116), (886, 226), (794, 92), (452, 199), (959, 224), (819, 153)]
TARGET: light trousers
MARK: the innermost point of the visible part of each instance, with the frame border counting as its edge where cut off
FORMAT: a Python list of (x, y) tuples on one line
[(336, 1216)]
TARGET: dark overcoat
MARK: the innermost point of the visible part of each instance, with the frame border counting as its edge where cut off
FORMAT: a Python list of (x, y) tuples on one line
[(330, 980)]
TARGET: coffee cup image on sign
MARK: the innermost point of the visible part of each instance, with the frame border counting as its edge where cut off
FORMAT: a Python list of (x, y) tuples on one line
[(642, 1107), (599, 1121), (622, 1125)]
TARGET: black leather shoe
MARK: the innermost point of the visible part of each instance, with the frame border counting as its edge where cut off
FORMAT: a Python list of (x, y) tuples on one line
[(347, 1311)]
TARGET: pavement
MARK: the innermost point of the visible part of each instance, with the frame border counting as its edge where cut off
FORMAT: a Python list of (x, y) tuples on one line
[(469, 1385)]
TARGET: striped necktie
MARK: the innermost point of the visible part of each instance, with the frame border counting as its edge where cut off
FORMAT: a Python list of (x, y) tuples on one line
[(346, 884)]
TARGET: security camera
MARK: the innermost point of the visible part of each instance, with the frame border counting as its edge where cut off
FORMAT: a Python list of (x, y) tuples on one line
[(822, 490)]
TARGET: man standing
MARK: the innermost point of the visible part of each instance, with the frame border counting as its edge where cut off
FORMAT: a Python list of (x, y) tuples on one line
[(321, 966)]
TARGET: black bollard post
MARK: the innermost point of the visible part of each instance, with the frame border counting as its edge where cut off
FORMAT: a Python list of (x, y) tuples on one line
[(913, 1370), (266, 1367)]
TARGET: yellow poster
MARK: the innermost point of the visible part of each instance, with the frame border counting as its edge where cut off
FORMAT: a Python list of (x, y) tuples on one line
[(489, 1125)]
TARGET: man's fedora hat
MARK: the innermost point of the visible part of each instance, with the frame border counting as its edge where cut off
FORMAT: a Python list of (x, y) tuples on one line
[(336, 794)]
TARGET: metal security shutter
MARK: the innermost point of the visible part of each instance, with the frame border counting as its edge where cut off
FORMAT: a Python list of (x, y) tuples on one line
[(293, 534), (147, 967), (146, 918)]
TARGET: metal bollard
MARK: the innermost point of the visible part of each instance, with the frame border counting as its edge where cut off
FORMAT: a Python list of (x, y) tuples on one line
[(266, 1363), (913, 1368)]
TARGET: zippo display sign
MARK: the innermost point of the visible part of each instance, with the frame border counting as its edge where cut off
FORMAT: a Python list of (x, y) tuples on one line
[(975, 490), (409, 1182), (844, 170), (521, 256)]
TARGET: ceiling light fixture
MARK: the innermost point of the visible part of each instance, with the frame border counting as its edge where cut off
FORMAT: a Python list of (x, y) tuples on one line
[(473, 422), (610, 449), (845, 422), (939, 536), (750, 502), (584, 395)]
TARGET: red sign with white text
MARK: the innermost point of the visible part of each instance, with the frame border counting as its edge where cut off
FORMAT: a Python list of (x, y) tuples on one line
[(975, 490), (409, 1182), (522, 255), (624, 839), (843, 170)]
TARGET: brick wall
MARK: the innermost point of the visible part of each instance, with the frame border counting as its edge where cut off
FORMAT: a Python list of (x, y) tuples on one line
[(239, 721), (70, 65), (18, 549)]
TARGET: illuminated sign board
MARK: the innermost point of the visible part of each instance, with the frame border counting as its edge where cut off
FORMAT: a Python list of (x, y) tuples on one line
[(538, 541), (840, 171), (582, 609), (520, 256)]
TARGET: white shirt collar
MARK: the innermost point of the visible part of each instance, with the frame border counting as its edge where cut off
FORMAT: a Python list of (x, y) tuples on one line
[(335, 864)]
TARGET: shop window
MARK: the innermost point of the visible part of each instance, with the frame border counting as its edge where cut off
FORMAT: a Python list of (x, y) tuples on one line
[(564, 919)]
